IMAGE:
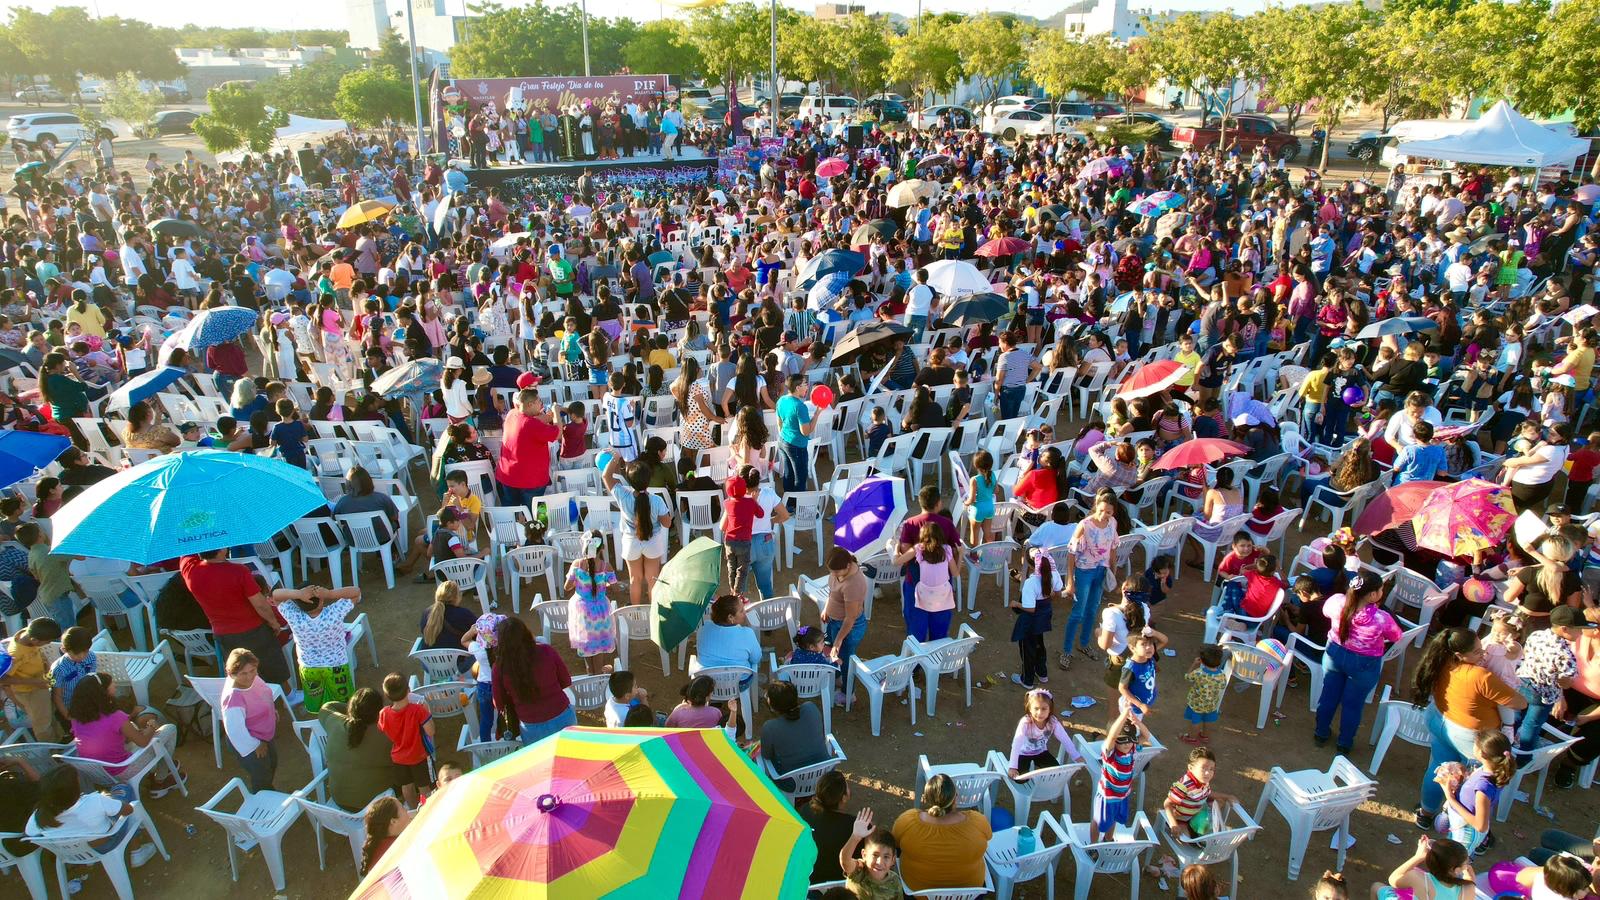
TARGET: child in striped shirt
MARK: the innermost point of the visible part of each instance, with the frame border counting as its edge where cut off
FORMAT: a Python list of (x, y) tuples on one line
[(1185, 808), (1116, 775)]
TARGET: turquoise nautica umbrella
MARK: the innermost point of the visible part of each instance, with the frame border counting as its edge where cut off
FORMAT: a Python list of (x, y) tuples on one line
[(184, 503)]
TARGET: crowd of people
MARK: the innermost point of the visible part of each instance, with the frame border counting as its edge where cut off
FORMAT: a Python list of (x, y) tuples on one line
[(657, 355)]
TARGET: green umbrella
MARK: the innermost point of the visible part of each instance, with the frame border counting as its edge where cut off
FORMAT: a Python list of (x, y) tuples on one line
[(877, 227), (661, 256), (686, 584), (29, 168), (174, 228)]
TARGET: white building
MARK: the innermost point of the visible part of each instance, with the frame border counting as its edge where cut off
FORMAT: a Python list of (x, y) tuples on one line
[(438, 24), (1109, 17)]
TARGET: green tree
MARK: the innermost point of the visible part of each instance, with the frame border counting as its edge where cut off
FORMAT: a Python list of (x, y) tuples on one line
[(120, 45), (235, 38), (1062, 65), (238, 118), (1402, 65), (1568, 76), (735, 37), (538, 39), (806, 52), (990, 47), (369, 96), (394, 50), (56, 44), (663, 47), (126, 100), (860, 48), (1205, 54), (925, 58), (308, 90)]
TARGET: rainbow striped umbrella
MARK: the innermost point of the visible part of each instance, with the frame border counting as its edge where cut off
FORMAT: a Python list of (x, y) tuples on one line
[(601, 812)]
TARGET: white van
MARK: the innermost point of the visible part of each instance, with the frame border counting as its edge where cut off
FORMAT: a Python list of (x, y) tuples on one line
[(832, 108)]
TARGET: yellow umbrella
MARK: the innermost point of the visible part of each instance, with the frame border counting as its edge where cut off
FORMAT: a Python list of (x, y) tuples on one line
[(364, 212), (907, 193)]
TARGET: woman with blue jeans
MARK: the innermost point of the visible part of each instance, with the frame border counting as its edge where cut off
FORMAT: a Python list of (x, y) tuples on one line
[(1093, 548), (1362, 630), (764, 536), (1463, 698), (844, 620), (529, 684)]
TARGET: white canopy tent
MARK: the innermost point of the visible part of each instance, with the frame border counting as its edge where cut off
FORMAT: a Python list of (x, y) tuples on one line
[(298, 131), (1503, 137)]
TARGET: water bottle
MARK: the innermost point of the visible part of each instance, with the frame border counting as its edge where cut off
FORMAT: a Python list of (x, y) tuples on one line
[(1025, 841)]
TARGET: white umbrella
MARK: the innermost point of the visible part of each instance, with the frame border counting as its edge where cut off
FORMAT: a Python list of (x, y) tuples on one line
[(907, 193), (503, 244), (956, 278)]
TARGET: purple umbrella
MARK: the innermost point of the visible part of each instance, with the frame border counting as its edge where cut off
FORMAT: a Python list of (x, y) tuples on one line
[(1113, 166), (868, 512)]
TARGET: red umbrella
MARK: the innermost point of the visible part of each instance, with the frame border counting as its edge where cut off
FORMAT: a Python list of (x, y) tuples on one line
[(1199, 452), (1006, 246), (1151, 379), (1395, 506), (831, 167)]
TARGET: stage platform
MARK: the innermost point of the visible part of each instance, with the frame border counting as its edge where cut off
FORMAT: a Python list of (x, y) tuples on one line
[(494, 176)]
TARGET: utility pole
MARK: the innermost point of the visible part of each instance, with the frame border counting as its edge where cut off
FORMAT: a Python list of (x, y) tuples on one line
[(416, 90), (774, 70), (585, 10)]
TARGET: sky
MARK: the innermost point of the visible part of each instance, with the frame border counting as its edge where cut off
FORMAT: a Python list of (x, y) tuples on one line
[(289, 14)]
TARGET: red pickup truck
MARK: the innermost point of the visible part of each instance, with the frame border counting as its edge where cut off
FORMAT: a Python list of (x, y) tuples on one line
[(1244, 132)]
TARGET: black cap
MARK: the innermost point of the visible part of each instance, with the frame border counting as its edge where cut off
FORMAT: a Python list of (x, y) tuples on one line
[(1568, 617)]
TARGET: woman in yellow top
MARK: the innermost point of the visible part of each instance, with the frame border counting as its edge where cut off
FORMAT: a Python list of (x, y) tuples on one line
[(950, 237), (1579, 362), (1314, 389), (941, 846), (143, 432), (90, 318)]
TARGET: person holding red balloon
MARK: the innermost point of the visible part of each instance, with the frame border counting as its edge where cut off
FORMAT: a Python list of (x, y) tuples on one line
[(795, 427)]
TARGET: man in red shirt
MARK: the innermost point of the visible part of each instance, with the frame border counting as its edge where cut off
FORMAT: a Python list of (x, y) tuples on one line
[(227, 361), (523, 471), (241, 614)]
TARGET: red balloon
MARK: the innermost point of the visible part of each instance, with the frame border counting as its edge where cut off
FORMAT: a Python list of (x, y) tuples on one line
[(822, 396)]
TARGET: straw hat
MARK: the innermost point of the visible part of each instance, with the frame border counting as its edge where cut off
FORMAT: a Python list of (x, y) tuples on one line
[(454, 362), (481, 378)]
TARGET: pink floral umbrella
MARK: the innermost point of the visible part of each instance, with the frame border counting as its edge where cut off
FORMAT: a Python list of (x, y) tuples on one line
[(1465, 517)]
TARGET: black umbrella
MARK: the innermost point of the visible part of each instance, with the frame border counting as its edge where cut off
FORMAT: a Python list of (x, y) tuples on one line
[(976, 309), (174, 228), (877, 227), (865, 338)]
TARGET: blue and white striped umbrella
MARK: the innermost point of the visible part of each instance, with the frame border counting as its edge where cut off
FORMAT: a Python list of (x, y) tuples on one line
[(828, 291), (210, 327), (1157, 203), (185, 503), (143, 387), (416, 376)]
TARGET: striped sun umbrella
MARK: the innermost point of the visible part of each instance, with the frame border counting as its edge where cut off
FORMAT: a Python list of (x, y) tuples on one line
[(600, 812), (1465, 517)]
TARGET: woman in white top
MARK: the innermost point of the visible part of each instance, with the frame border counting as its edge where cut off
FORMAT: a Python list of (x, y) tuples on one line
[(1562, 877), (1533, 473), (65, 810), (763, 539), (642, 529), (457, 394)]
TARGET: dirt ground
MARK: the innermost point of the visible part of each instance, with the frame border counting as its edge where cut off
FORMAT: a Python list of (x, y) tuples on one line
[(882, 770)]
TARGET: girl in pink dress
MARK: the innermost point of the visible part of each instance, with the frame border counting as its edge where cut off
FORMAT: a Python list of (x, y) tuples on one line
[(935, 597), (589, 623)]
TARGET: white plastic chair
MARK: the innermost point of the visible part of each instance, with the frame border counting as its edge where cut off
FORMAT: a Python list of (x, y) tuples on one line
[(363, 529), (1279, 532), (105, 595), (484, 752), (1122, 856), (314, 544), (198, 643), (1417, 592), (946, 656), (261, 819), (1007, 868), (552, 616), (1397, 719), (632, 623), (811, 681), (439, 666), (1396, 652), (526, 563), (1045, 785), (1346, 502), (470, 574), (448, 700), (329, 817), (960, 893), (1250, 665), (804, 779), (77, 849), (975, 782), (1312, 800), (134, 670), (1226, 529), (30, 865), (589, 692), (1238, 626), (727, 679), (1307, 653), (884, 675), (1164, 540), (1556, 743), (131, 771), (1142, 755), (1220, 843), (808, 515), (775, 614), (994, 558)]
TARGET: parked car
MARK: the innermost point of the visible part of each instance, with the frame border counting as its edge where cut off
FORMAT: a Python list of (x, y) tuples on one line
[(172, 94), (718, 108), (1105, 108), (889, 96), (960, 117), (40, 93), (91, 93), (1008, 126), (1244, 132), (832, 108), (1369, 145), (885, 110), (1162, 139), (1072, 109), (172, 121), (1008, 102), (697, 96), (45, 130)]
